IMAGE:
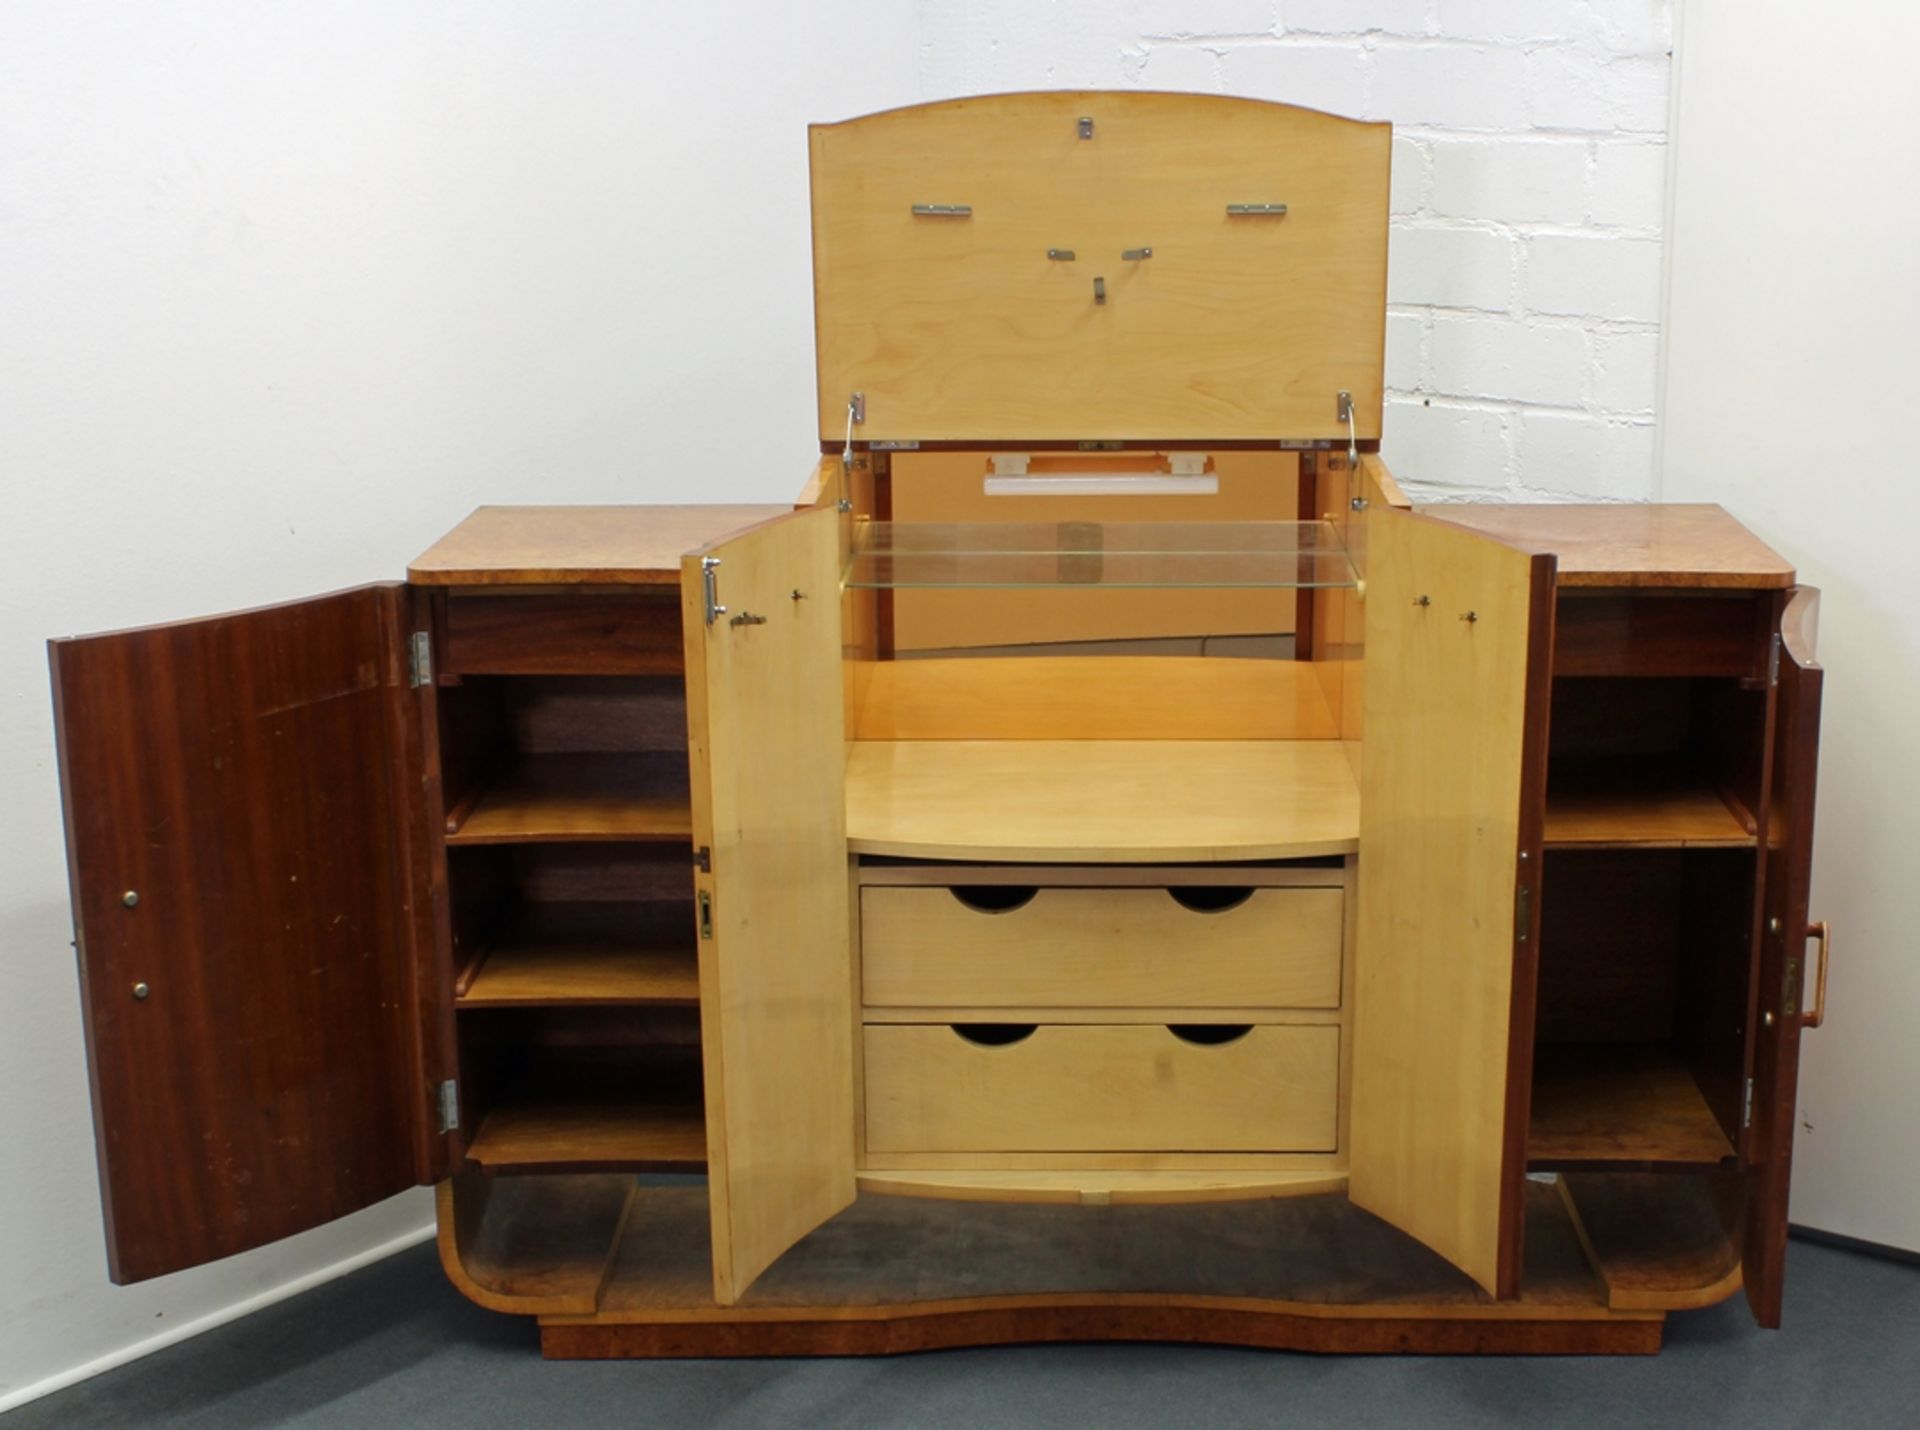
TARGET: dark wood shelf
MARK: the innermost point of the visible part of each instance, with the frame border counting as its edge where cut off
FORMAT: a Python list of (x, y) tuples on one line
[(581, 797), (553, 1132), (1637, 803), (1621, 1106)]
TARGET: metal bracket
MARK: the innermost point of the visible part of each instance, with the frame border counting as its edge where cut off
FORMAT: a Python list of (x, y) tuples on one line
[(746, 618), (1086, 126), (1134, 255), (703, 859), (419, 659), (1343, 407), (1099, 290), (705, 901), (447, 1105), (1060, 255), (857, 407), (1256, 210), (1522, 912), (710, 588), (943, 210)]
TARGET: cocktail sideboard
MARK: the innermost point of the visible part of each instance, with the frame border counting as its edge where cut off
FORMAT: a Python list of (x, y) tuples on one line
[(1101, 865)]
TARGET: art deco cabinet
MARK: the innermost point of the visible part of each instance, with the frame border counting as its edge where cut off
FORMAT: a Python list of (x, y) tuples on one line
[(1104, 865)]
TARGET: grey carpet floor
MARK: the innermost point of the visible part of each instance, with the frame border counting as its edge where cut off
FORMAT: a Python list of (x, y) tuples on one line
[(395, 1346)]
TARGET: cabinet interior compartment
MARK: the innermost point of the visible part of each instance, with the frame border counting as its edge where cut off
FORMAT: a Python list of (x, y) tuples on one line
[(1654, 762), (583, 1089), (1641, 1010), (565, 758), (538, 924)]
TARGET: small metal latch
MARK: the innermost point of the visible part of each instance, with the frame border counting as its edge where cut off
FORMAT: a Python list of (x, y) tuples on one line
[(1060, 255), (1522, 912), (857, 407), (710, 588), (943, 210), (1134, 255), (419, 659), (1086, 126), (1256, 210), (447, 1104), (747, 618), (703, 859), (1099, 290), (706, 914)]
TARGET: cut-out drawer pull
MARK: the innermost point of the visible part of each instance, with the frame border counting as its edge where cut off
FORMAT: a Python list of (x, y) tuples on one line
[(1211, 898), (994, 1035), (1209, 1035), (995, 898)]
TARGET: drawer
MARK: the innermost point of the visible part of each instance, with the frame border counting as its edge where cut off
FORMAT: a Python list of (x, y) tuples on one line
[(1101, 1088), (1100, 948)]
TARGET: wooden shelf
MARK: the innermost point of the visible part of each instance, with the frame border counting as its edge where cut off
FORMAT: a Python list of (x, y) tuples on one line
[(1637, 803), (556, 798), (552, 1132), (1102, 801), (1620, 1106), (533, 975)]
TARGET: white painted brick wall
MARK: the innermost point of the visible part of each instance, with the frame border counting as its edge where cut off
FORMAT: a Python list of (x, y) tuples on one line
[(1528, 196)]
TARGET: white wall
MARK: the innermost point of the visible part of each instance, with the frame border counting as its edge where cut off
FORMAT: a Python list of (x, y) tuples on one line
[(1794, 308), (1529, 187), (285, 290)]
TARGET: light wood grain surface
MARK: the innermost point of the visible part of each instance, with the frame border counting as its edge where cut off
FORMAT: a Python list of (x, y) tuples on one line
[(1100, 1089), (963, 327), (592, 545), (1101, 947), (1446, 704), (1101, 801), (1097, 1188), (603, 1131), (766, 728), (1093, 697), (522, 975), (1631, 543)]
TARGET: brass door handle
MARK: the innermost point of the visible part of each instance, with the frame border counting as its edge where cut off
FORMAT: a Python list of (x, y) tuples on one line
[(1818, 1013)]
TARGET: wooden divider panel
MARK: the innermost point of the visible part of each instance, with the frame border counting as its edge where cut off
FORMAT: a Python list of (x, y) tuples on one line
[(766, 731), (1458, 635)]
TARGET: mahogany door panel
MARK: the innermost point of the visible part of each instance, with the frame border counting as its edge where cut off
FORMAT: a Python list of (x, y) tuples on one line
[(1788, 985), (241, 847)]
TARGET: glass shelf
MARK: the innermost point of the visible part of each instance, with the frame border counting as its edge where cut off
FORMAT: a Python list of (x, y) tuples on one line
[(1115, 555)]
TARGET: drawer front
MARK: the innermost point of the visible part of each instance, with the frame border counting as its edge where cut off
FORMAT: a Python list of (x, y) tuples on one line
[(1101, 1088), (1101, 948)]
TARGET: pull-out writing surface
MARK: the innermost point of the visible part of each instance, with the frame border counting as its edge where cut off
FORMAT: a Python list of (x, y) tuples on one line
[(1458, 639), (766, 735), (1788, 987), (240, 835)]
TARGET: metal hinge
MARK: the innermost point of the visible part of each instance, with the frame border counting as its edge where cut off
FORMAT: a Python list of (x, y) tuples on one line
[(710, 588), (419, 659), (447, 1100), (703, 859), (705, 901), (1773, 661), (1522, 912), (897, 444), (1746, 1115)]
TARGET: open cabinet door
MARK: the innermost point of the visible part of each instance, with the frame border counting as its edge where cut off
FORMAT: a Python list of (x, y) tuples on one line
[(1459, 638), (242, 805), (766, 727), (1786, 989)]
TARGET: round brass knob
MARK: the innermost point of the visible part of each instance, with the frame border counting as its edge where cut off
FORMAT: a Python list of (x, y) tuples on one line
[(140, 992)]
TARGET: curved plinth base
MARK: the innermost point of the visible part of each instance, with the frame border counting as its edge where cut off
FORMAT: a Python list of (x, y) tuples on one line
[(892, 1330)]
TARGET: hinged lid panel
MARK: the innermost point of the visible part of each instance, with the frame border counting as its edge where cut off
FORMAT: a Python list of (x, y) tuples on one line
[(982, 271)]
